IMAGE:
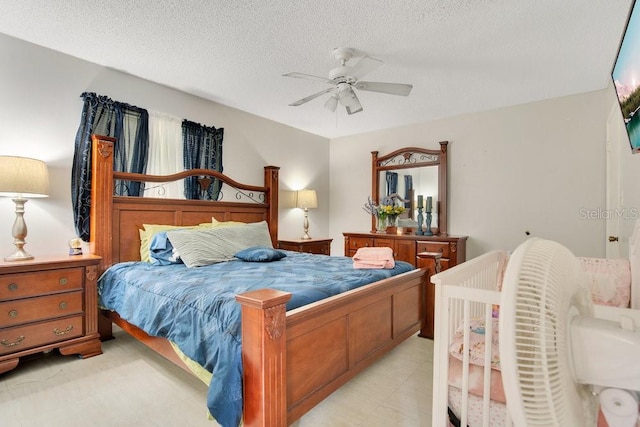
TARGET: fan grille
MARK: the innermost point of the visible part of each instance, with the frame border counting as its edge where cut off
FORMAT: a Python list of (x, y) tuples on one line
[(542, 291)]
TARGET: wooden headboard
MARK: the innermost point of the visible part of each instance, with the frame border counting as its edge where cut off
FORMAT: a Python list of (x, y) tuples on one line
[(116, 220)]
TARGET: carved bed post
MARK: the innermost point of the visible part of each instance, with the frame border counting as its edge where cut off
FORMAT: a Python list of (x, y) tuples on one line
[(101, 198), (271, 183), (101, 213), (264, 357)]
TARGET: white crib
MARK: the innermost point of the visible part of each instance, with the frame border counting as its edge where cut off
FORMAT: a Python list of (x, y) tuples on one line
[(464, 292), (470, 291)]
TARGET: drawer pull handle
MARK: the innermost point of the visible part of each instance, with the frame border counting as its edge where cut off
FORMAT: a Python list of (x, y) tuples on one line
[(13, 313), (63, 281), (65, 332), (13, 286), (63, 305), (12, 344)]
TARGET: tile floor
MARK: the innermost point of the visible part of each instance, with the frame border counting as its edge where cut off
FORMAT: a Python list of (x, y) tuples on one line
[(129, 385)]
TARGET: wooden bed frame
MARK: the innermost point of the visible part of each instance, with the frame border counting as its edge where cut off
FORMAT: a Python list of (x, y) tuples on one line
[(291, 360)]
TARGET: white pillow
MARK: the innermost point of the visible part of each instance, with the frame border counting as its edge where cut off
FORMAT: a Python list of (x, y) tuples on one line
[(199, 247)]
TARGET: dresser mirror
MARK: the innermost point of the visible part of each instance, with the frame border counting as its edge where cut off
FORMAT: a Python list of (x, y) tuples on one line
[(412, 172)]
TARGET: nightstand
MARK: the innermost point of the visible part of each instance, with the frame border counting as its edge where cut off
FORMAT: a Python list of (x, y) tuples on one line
[(312, 246), (48, 303)]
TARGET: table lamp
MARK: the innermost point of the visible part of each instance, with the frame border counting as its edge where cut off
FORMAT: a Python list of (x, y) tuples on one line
[(306, 199), (21, 179)]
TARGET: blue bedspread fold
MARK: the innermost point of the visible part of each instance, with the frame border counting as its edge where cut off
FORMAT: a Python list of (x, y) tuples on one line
[(196, 307)]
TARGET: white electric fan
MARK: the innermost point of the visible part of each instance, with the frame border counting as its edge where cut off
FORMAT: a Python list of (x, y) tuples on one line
[(554, 353)]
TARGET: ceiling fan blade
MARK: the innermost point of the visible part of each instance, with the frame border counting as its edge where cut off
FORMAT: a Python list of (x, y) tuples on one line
[(389, 88), (308, 77), (310, 97), (365, 65)]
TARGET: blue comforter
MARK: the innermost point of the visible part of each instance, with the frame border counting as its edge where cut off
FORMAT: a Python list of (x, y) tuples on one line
[(196, 307)]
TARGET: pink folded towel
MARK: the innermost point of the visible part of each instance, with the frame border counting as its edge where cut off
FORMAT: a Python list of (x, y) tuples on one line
[(373, 258)]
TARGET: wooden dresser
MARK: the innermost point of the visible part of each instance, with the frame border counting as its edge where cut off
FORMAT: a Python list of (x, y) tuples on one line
[(48, 303), (312, 246), (409, 247)]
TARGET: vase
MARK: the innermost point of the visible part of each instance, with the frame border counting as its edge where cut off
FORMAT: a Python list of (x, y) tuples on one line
[(381, 224), (392, 221)]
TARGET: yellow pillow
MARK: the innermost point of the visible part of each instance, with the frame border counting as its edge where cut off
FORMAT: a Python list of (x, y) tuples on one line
[(149, 230)]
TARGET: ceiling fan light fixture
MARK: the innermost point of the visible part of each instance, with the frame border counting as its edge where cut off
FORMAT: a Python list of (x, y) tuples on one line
[(353, 103), (347, 97), (355, 109), (332, 103)]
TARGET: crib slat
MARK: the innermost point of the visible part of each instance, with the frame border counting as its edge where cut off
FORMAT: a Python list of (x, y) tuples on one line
[(488, 357)]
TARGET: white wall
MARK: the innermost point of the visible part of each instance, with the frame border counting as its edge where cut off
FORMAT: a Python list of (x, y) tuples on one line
[(528, 168), (41, 107), (532, 167)]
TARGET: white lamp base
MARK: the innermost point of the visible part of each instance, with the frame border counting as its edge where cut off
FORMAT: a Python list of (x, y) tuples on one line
[(306, 225), (18, 255), (19, 232)]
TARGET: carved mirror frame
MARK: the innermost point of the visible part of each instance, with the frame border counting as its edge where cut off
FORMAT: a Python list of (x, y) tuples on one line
[(414, 157)]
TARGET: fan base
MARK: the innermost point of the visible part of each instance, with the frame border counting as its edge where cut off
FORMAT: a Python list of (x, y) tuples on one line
[(343, 54)]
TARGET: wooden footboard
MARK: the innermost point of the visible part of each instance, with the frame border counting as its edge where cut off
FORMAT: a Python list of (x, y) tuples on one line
[(294, 360)]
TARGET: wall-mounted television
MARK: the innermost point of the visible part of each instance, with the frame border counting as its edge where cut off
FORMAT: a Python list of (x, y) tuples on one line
[(626, 77)]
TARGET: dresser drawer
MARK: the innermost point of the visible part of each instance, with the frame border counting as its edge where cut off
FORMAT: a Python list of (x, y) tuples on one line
[(40, 308), (356, 243), (22, 285), (317, 248), (441, 247), (20, 338)]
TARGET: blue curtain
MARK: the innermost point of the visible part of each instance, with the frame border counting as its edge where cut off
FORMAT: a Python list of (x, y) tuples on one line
[(129, 125), (408, 187), (131, 149), (202, 149), (392, 182)]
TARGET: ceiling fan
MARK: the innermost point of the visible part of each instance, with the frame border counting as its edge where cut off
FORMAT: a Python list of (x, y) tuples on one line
[(345, 78)]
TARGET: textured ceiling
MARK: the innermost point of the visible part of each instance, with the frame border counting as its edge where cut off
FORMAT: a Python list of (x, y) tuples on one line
[(461, 56)]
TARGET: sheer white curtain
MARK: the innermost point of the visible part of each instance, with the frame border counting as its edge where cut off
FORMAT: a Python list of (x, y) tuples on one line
[(165, 155)]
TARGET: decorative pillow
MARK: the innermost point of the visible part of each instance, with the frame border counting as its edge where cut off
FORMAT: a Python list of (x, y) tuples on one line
[(215, 223), (149, 230), (198, 247), (609, 280), (260, 254), (161, 251)]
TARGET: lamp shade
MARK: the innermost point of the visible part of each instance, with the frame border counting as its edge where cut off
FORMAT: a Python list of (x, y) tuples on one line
[(306, 199), (23, 177)]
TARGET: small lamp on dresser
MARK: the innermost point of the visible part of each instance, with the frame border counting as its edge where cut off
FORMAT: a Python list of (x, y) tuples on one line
[(306, 199), (22, 178)]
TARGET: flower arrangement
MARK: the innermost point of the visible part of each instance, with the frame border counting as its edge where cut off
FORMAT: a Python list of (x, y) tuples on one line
[(387, 208)]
